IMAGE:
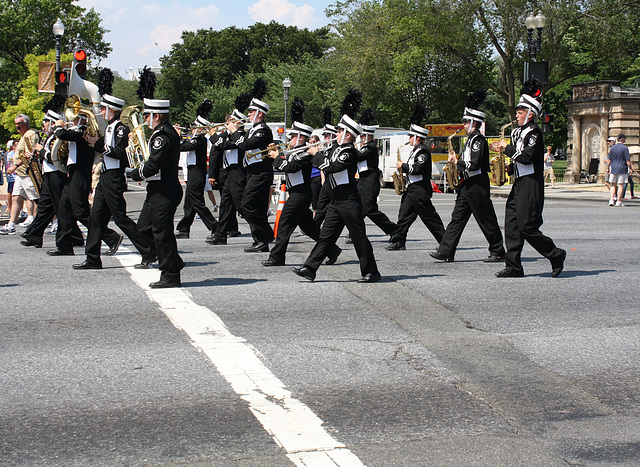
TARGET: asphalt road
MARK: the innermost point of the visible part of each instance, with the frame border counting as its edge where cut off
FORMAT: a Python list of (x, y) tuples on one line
[(438, 364)]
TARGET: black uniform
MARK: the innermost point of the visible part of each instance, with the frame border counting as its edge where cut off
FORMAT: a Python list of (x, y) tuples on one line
[(53, 183), (324, 198), (226, 167), (297, 168), (74, 201), (369, 187), (109, 199), (474, 197), (523, 211), (416, 200), (164, 193), (196, 148), (255, 199), (345, 208)]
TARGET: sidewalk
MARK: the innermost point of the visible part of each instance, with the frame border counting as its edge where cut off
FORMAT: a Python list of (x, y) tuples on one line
[(569, 191)]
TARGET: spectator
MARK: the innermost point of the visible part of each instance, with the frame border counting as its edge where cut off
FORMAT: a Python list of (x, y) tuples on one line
[(548, 166), (618, 167), (23, 189)]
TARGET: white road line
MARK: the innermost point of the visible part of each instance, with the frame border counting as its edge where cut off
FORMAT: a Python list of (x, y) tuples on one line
[(292, 424)]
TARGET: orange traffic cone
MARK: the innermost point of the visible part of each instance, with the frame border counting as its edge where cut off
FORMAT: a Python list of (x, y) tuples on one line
[(281, 200)]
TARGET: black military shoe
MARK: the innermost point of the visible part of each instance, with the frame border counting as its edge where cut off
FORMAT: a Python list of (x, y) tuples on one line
[(181, 234), (87, 265), (305, 272), (395, 246), (557, 265), (259, 247), (441, 257), (234, 233), (58, 252), (165, 284), (31, 243), (272, 262), (509, 273), (213, 240), (333, 257), (146, 263), (494, 259), (114, 249), (370, 277)]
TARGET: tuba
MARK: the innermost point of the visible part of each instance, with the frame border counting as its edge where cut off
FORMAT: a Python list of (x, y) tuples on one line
[(138, 147), (498, 163), (398, 177), (450, 170)]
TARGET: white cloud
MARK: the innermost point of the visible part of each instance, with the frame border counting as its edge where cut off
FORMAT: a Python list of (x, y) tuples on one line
[(283, 12)]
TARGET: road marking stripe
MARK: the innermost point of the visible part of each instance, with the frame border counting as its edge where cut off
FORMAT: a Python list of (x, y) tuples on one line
[(292, 424)]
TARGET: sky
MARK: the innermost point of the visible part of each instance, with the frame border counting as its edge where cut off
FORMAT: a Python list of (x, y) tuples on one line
[(142, 32)]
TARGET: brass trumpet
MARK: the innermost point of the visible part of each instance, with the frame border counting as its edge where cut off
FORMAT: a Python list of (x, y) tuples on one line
[(259, 155)]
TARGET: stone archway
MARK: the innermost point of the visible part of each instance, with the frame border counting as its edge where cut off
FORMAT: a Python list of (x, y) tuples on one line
[(591, 144)]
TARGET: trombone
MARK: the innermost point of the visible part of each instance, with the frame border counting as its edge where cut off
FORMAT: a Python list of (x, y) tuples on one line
[(262, 154)]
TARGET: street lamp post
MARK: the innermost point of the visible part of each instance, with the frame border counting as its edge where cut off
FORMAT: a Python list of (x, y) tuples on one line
[(286, 84), (534, 22), (58, 32)]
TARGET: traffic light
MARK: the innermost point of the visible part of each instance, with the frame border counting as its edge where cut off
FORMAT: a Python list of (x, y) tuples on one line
[(80, 62), (62, 78), (547, 123)]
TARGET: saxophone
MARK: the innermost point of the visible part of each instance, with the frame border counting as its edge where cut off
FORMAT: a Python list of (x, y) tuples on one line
[(450, 169), (399, 179), (498, 163), (32, 165)]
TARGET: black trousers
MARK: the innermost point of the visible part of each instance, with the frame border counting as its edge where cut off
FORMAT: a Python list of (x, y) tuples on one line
[(255, 204), (416, 201), (369, 189), (316, 186), (194, 201), (156, 224), (53, 184), (296, 213), (109, 201), (474, 197), (74, 207), (343, 213), (231, 183), (522, 221), (324, 199)]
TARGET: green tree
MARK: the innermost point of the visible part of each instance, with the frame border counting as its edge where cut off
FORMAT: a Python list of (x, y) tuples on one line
[(488, 37), (26, 28), (212, 58), (31, 101)]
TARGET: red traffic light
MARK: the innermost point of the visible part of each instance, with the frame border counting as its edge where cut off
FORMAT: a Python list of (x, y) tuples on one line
[(80, 55), (538, 92)]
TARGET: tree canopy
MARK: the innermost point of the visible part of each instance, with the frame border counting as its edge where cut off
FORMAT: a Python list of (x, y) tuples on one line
[(213, 58)]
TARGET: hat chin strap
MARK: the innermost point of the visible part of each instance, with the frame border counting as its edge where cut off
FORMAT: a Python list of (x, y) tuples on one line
[(253, 119), (342, 137)]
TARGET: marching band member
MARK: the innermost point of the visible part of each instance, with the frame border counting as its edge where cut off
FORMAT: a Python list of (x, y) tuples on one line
[(53, 182), (196, 149), (369, 179), (164, 193), (474, 196), (345, 208), (329, 137), (74, 201), (416, 200), (523, 211), (109, 199), (24, 190), (226, 169), (296, 213), (256, 196)]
